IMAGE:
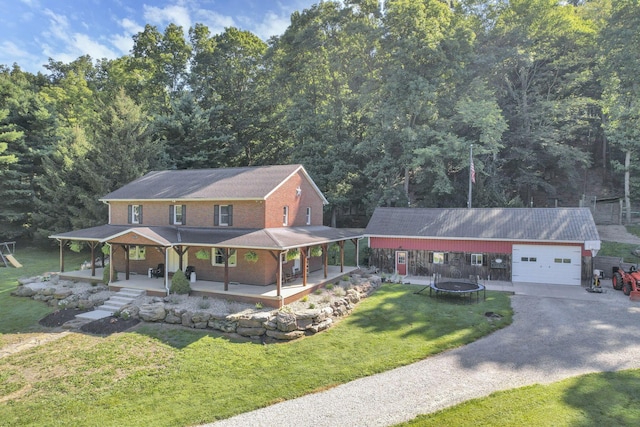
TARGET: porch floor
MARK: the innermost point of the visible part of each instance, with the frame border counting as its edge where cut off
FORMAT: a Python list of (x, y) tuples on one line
[(290, 291)]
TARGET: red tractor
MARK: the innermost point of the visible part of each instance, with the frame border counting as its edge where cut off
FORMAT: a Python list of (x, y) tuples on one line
[(628, 282)]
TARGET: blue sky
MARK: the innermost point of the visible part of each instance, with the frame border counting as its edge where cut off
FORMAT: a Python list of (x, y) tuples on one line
[(31, 31)]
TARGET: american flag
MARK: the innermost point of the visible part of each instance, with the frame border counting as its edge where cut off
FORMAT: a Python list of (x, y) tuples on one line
[(473, 172)]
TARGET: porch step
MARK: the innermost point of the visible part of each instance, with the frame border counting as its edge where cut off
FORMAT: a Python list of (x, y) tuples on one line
[(113, 304)]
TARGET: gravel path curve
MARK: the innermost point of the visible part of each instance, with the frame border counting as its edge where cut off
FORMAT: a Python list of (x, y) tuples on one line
[(550, 339)]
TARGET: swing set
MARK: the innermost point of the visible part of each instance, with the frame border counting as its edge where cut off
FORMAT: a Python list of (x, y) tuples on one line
[(7, 249)]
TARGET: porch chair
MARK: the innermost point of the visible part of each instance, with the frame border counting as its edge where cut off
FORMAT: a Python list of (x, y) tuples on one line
[(158, 272)]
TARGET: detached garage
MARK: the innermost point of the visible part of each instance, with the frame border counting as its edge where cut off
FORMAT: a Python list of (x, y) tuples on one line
[(536, 245)]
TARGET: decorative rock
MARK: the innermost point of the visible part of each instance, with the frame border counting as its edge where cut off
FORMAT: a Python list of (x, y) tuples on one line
[(304, 324), (223, 325), (27, 280), (286, 321), (200, 319), (250, 322), (62, 294), (152, 312), (285, 336), (271, 324), (174, 316), (47, 291), (307, 314), (186, 319), (23, 291), (250, 332), (321, 326)]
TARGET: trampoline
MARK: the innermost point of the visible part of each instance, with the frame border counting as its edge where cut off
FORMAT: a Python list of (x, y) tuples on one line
[(460, 288)]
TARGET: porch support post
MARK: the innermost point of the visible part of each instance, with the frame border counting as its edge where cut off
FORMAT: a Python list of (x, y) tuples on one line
[(226, 269), (305, 263), (356, 243), (165, 252), (62, 243), (126, 259), (93, 244), (325, 259), (341, 245), (180, 251)]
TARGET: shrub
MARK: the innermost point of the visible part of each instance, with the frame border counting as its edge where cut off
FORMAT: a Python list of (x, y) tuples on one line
[(105, 276), (312, 305), (305, 298), (259, 305), (318, 292), (329, 286), (179, 283), (203, 304)]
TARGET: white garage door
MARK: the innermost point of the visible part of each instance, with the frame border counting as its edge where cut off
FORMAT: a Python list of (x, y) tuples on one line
[(558, 265)]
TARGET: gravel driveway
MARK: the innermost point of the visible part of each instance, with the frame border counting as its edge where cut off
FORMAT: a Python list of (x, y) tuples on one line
[(551, 338)]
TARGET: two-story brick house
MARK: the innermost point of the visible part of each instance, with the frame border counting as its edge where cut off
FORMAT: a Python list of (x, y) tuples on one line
[(229, 225)]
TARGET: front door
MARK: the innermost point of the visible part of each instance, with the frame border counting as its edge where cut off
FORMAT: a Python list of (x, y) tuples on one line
[(401, 263)]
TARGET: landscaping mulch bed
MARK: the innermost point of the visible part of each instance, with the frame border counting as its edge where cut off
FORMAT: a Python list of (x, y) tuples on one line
[(59, 317), (108, 326)]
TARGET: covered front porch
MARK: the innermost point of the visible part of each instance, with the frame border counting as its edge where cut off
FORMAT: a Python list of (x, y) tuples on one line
[(265, 295)]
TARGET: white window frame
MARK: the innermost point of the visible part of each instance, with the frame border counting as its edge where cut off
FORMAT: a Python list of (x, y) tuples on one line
[(285, 215), (438, 257), (225, 222), (137, 253), (476, 259), (175, 215), (309, 215), (219, 253), (135, 214)]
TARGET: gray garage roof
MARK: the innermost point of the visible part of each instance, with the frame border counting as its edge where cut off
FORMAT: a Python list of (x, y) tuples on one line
[(244, 183), (530, 224)]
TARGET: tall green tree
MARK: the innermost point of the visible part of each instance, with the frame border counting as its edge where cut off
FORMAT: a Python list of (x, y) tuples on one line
[(620, 43)]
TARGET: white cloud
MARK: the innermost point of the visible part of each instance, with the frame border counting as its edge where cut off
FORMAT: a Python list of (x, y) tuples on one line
[(176, 14), (124, 42), (11, 50), (272, 25), (215, 21), (65, 45)]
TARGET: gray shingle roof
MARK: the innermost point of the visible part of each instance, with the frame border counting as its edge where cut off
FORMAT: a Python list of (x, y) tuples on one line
[(531, 224), (244, 183)]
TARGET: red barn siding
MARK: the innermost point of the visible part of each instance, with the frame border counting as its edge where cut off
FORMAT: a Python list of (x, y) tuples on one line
[(469, 246)]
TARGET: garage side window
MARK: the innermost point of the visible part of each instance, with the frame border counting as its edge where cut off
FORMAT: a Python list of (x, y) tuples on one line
[(476, 259)]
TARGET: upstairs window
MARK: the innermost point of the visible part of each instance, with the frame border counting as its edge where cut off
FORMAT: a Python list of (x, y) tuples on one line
[(223, 215), (177, 214), (285, 215), (135, 214), (218, 257), (308, 216)]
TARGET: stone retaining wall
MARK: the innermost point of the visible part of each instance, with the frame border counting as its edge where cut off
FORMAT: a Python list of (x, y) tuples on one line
[(278, 325)]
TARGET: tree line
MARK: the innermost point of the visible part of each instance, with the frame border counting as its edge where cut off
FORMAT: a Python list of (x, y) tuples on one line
[(379, 101)]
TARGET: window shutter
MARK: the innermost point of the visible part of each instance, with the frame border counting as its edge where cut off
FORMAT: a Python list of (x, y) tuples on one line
[(230, 215), (171, 212), (140, 212), (467, 258), (184, 214), (129, 214), (216, 215), (484, 259), (446, 257), (430, 257)]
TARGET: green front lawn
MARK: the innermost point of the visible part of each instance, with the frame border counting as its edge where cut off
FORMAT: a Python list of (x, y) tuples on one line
[(170, 376), (22, 314), (602, 399)]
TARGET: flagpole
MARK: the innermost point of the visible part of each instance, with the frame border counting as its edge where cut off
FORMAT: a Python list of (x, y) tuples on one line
[(470, 175)]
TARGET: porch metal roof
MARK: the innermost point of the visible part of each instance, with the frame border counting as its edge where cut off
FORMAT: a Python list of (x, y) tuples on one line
[(269, 238)]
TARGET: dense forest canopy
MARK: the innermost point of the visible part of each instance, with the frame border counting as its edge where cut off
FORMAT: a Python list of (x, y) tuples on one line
[(380, 101)]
